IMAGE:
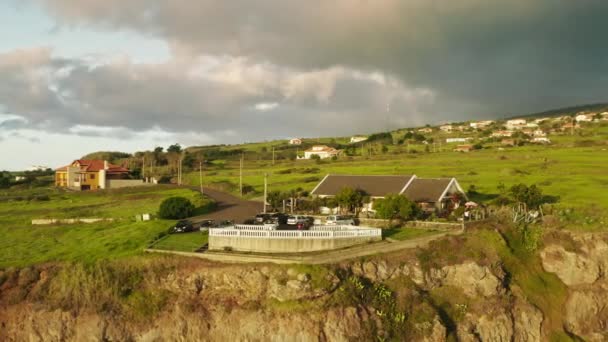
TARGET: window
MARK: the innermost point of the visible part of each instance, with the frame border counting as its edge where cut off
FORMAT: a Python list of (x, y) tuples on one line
[(92, 176)]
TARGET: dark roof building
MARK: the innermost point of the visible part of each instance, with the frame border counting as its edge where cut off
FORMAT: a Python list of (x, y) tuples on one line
[(433, 191)]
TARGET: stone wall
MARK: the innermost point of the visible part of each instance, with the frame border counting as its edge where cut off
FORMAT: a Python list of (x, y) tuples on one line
[(125, 183)]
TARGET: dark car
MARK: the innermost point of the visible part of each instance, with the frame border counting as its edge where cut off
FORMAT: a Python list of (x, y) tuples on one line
[(205, 225), (262, 218), (305, 225), (182, 226), (278, 218), (224, 223)]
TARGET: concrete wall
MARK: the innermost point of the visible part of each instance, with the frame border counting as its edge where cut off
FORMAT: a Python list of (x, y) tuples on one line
[(286, 245), (124, 183)]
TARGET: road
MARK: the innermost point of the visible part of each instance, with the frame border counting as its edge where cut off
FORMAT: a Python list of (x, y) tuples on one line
[(229, 207)]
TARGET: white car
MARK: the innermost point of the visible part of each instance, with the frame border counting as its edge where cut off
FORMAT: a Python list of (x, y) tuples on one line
[(341, 220), (295, 219)]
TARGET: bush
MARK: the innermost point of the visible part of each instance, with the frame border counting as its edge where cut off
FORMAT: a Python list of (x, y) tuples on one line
[(175, 208)]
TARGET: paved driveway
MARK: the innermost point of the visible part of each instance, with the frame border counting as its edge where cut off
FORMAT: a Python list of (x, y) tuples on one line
[(229, 207)]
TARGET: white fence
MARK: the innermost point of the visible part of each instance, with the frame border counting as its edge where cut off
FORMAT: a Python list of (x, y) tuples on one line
[(255, 226), (317, 233)]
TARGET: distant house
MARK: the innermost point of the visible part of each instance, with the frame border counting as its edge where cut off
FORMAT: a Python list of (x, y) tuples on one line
[(541, 140), (431, 194), (357, 138), (569, 126), (455, 140), (322, 151), (19, 178), (508, 142), (584, 118), (540, 120), (446, 128), (531, 125), (501, 134), (37, 168), (92, 175), (604, 116), (515, 124), (426, 130), (295, 141), (539, 133), (464, 148), (481, 124)]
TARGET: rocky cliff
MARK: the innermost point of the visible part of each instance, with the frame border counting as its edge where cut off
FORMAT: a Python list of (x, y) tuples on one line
[(479, 286)]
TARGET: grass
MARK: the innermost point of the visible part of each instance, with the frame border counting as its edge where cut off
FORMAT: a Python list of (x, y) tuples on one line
[(23, 244), (185, 242), (402, 234)]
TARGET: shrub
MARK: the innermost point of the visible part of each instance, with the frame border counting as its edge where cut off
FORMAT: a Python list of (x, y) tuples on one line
[(175, 208)]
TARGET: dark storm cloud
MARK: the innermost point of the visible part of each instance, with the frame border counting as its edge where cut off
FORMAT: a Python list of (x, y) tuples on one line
[(485, 57)]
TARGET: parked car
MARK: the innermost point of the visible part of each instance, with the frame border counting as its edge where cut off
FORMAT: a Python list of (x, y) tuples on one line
[(206, 224), (224, 223), (340, 220), (303, 225), (278, 218), (262, 218), (295, 219), (182, 226)]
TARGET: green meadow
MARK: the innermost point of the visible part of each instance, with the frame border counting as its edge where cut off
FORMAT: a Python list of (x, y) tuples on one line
[(23, 243)]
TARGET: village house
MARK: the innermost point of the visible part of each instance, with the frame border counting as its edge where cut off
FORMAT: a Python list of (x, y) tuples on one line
[(539, 133), (357, 138), (481, 124), (501, 134), (540, 120), (322, 151), (426, 130), (446, 128), (515, 124), (532, 125), (464, 148), (584, 117), (295, 141), (431, 194), (541, 140), (92, 175)]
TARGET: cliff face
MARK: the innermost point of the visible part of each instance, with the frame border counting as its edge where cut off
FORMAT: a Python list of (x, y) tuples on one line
[(467, 294)]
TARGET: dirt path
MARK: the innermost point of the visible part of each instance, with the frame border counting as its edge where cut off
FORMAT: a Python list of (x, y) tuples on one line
[(229, 207)]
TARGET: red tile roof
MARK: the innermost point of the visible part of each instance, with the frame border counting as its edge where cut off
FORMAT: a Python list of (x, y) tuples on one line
[(95, 166)]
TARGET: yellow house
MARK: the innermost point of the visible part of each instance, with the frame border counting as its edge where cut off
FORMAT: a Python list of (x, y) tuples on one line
[(88, 174)]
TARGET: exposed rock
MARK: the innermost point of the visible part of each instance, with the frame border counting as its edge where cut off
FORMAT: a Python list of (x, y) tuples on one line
[(497, 327), (435, 331), (528, 322), (571, 268), (342, 325), (587, 314), (471, 278)]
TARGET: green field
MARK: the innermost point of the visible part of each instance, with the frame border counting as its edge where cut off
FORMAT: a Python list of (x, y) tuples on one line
[(24, 244), (185, 242)]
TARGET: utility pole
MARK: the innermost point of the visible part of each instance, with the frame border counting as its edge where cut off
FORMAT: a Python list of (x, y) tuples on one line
[(143, 167), (200, 175), (265, 190), (272, 155), (241, 176)]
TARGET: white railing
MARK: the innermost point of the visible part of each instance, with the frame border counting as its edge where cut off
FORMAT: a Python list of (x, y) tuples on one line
[(295, 234), (336, 227), (255, 226)]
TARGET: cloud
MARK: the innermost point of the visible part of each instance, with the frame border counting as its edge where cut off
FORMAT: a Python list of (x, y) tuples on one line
[(252, 100), (482, 57)]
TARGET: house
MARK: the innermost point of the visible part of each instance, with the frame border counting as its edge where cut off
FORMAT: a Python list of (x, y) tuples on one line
[(481, 124), (501, 134), (604, 116), (322, 151), (540, 120), (508, 142), (541, 140), (539, 133), (532, 125), (431, 194), (19, 178), (92, 175), (426, 130), (295, 141), (357, 138), (584, 118), (464, 148), (446, 128), (569, 126), (454, 140), (515, 123)]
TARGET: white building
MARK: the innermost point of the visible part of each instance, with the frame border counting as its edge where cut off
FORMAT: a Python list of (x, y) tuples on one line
[(481, 124), (357, 138), (515, 123), (295, 141), (322, 151), (539, 133), (502, 134), (456, 140), (541, 140), (446, 128), (426, 130), (584, 118)]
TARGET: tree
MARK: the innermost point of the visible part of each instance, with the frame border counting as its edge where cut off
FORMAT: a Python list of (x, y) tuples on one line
[(275, 199), (350, 199), (177, 148), (175, 208), (531, 196), (396, 207)]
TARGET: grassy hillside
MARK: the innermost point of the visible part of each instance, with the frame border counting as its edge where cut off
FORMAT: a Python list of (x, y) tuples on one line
[(24, 244)]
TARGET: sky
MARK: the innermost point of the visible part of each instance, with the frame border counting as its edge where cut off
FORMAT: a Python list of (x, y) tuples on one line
[(78, 76)]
